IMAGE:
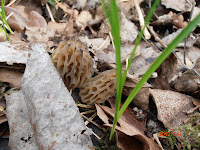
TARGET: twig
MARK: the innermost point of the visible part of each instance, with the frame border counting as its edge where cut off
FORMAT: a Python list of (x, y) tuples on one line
[(157, 140), (92, 117), (50, 13), (95, 134), (11, 3), (141, 20), (88, 112), (86, 106), (93, 122)]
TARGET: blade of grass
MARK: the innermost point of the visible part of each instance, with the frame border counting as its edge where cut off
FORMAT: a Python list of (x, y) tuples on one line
[(112, 14), (191, 26), (4, 21)]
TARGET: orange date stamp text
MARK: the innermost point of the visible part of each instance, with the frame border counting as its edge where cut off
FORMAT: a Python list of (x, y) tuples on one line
[(173, 134)]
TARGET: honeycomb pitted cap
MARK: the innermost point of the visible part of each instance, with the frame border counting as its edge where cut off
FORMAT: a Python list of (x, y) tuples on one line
[(99, 88), (73, 63)]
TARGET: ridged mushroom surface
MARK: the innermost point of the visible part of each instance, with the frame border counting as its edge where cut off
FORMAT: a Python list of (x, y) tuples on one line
[(73, 63), (99, 88)]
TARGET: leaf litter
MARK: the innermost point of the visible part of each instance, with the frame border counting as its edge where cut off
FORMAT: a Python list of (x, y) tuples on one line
[(174, 87)]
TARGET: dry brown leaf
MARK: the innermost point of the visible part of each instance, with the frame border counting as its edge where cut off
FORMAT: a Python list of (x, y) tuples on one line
[(36, 20), (83, 19), (128, 30), (179, 5), (171, 107), (43, 35), (67, 9), (19, 22), (58, 27), (166, 72), (11, 76), (3, 119), (178, 20), (127, 5), (128, 125), (189, 81), (141, 100)]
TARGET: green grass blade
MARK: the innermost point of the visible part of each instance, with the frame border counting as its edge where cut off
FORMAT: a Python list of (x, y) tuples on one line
[(191, 26), (111, 11), (115, 29)]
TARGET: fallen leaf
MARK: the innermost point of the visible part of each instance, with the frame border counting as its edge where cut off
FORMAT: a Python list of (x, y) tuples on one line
[(83, 19), (141, 100), (129, 125), (11, 76), (178, 5), (172, 107), (189, 81), (128, 30), (3, 119), (166, 72)]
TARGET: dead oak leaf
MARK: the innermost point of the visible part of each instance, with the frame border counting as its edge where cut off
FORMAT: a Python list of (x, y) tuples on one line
[(129, 127)]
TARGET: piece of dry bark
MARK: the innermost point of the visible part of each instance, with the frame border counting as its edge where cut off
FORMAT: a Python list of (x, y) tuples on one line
[(51, 111)]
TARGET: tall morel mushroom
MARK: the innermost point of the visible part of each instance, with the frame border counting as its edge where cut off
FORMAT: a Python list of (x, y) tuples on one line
[(99, 88), (73, 63)]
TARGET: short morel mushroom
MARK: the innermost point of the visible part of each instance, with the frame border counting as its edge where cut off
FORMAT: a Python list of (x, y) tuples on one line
[(73, 63), (99, 88)]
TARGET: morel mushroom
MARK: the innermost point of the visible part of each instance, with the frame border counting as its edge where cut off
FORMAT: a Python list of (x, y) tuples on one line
[(73, 63), (99, 88)]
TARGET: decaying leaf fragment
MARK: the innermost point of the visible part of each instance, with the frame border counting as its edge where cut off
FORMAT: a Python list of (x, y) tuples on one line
[(130, 129), (141, 100), (172, 107), (179, 5), (189, 81)]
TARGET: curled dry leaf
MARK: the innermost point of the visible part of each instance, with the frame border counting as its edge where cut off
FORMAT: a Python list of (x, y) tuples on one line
[(73, 63), (171, 107), (178, 21), (19, 22), (129, 128), (128, 29), (189, 81), (141, 100), (166, 73), (178, 5), (83, 19), (99, 88)]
